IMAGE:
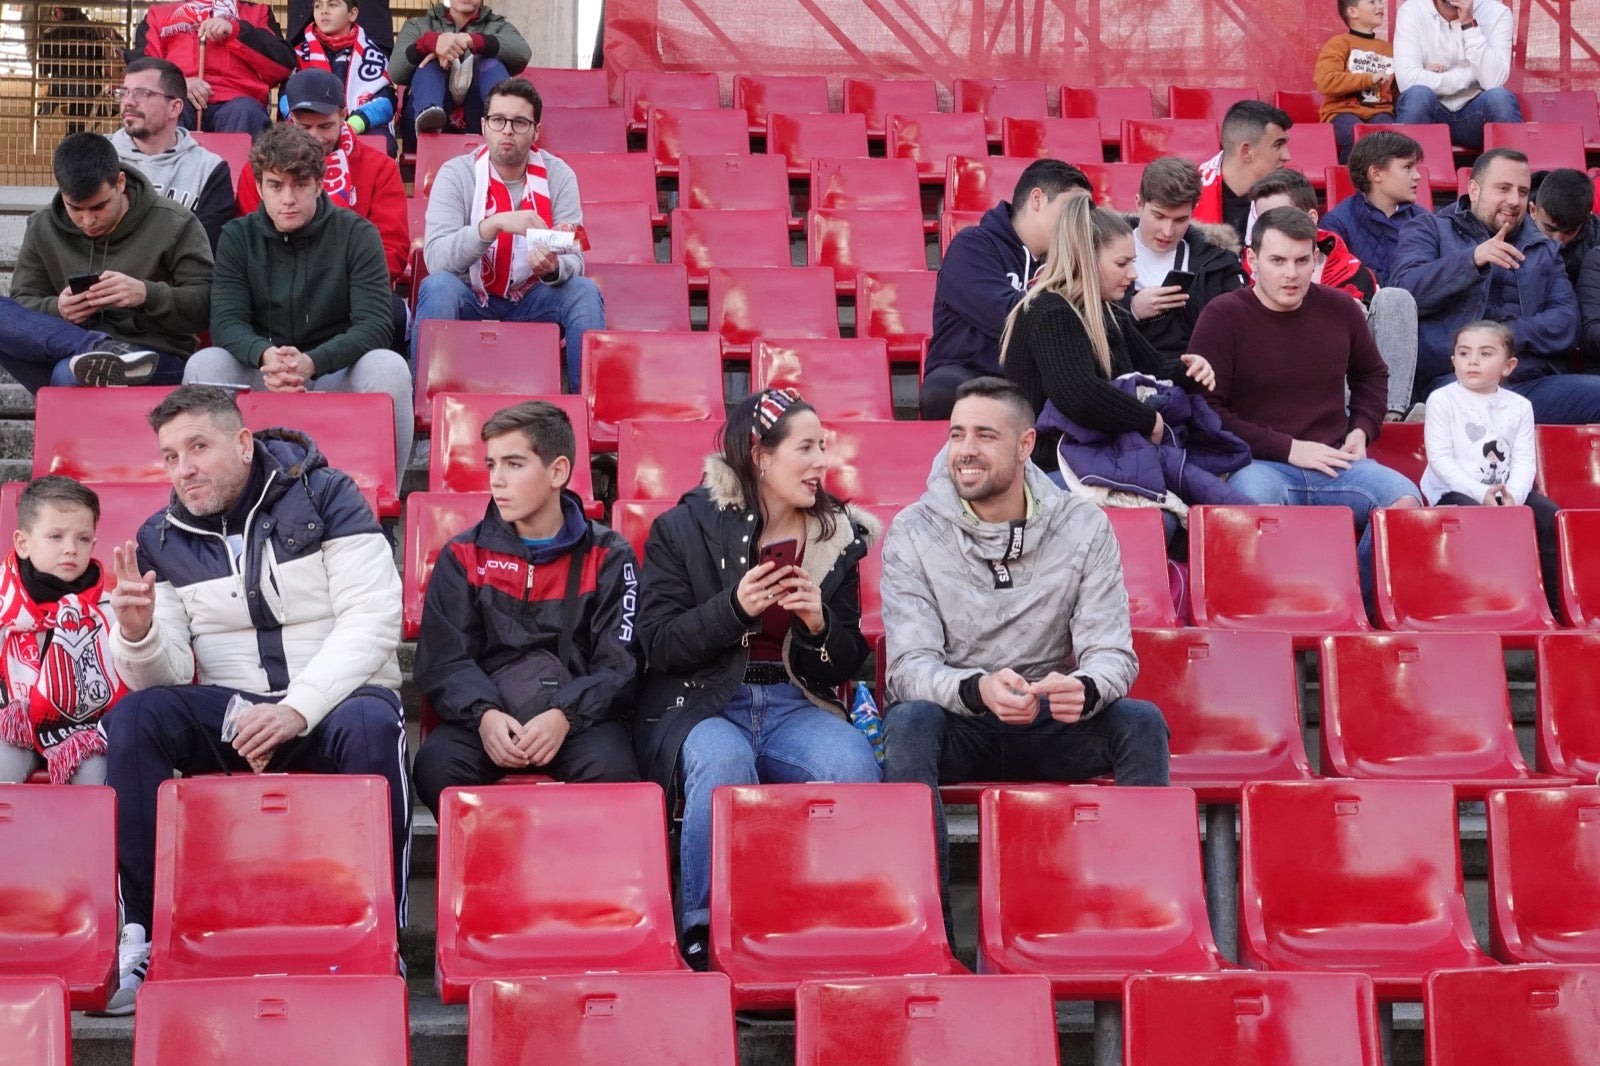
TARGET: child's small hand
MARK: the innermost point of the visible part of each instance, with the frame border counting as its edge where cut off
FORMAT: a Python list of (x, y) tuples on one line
[(1496, 497)]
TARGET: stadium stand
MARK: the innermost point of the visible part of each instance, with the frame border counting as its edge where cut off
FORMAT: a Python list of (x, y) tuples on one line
[(800, 138), (897, 307), (1110, 106), (851, 184), (1067, 139), (646, 89), (926, 1019), (673, 133), (455, 451), (760, 95), (733, 183), (486, 357), (703, 240), (1580, 570), (1000, 99), (845, 380), (565, 131), (978, 183), (1569, 464), (930, 140), (1548, 145), (850, 241), (882, 462), (1208, 103), (1544, 875), (744, 303), (124, 507), (662, 376), (876, 99), (662, 460), (1486, 1017), (611, 177), (559, 87), (643, 295), (1195, 139)]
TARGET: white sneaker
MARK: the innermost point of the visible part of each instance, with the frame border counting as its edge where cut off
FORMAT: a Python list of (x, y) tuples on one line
[(133, 959)]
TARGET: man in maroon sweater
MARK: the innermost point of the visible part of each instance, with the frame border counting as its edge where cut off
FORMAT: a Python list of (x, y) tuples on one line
[(1283, 352)]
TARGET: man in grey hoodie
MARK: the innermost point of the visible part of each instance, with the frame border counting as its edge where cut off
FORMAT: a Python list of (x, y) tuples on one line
[(1009, 648)]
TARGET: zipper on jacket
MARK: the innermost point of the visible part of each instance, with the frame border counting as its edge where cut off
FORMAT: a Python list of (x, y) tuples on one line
[(527, 586)]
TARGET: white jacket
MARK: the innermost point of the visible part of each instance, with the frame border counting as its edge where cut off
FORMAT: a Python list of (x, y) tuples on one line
[(1478, 58), (1475, 441)]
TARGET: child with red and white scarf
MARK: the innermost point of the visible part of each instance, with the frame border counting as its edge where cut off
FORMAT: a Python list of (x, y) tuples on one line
[(335, 43), (55, 638)]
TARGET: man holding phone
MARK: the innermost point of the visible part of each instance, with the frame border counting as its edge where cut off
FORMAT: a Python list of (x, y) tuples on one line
[(112, 280)]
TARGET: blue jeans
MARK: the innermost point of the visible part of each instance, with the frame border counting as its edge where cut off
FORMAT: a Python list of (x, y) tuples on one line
[(1344, 129), (574, 305), (37, 349), (1419, 104), (767, 734), (430, 88), (1558, 399), (239, 115)]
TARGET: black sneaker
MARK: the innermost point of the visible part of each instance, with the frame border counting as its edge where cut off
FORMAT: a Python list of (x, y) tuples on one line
[(115, 363), (431, 120), (696, 948)]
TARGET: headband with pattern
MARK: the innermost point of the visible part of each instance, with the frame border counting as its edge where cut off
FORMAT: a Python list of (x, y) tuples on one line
[(770, 408)]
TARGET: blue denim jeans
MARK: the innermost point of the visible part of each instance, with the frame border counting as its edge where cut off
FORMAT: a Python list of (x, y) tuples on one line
[(1419, 104), (37, 349), (767, 734), (1344, 129), (575, 305), (430, 86), (239, 115)]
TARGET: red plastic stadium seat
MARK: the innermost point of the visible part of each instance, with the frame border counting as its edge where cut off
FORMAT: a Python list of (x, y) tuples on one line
[(1421, 707), (561, 87), (633, 519), (1569, 464), (1143, 545), (618, 233), (952, 223), (434, 150), (998, 100), (1513, 1014), (485, 357), (617, 177), (568, 131), (666, 1018), (1580, 568), (1062, 895), (432, 518), (897, 306), (845, 380), (59, 884), (273, 874), (747, 302), (266, 1021), (649, 376), (882, 462), (702, 240), (234, 148), (1208, 103), (850, 241), (673, 133), (800, 138), (643, 295), (1568, 737), (823, 881), (646, 89), (35, 1021), (1572, 105), (1544, 875), (98, 434), (1116, 185), (354, 430), (899, 1021), (456, 451), (1290, 569), (865, 184), (1055, 138), (1226, 1019), (734, 183), (513, 903), (1107, 105), (871, 572), (1313, 151), (124, 507), (1232, 702), (1547, 145), (760, 95), (1195, 139), (663, 460), (1434, 137), (930, 140), (977, 183), (1303, 107), (1459, 569), (1360, 876), (877, 99), (1399, 447)]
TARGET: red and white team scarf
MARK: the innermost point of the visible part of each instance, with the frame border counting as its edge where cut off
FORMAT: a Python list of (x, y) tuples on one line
[(503, 270), (55, 697), (367, 74), (336, 177), (186, 18)]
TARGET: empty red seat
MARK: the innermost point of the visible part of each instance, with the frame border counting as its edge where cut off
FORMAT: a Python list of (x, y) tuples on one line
[(952, 223), (1207, 103), (265, 1021), (1232, 702), (1434, 137), (1399, 447), (865, 184), (486, 357), (456, 451), (1570, 105), (124, 507), (59, 883), (882, 462), (1290, 569), (1227, 1019), (1569, 464), (434, 150), (1421, 707), (561, 87), (663, 460), (633, 519), (897, 307), (848, 241), (734, 183), (1055, 138), (1302, 106), (35, 1021), (649, 376), (432, 518), (760, 95), (514, 903), (1116, 185), (746, 302), (1568, 738), (1360, 876), (929, 140), (567, 131), (902, 1021), (617, 177), (618, 233), (999, 99), (1459, 569), (1544, 875), (1576, 531), (800, 138), (1062, 895), (1195, 139), (580, 1019), (1107, 105), (354, 430), (643, 295), (1142, 541), (823, 881), (843, 379), (876, 99), (273, 874), (646, 89), (1544, 1014), (1313, 150), (1548, 145), (673, 133), (977, 183), (702, 240), (98, 434)]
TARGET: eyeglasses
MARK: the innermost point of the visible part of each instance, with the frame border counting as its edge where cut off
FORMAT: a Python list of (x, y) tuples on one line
[(138, 96), (498, 123)]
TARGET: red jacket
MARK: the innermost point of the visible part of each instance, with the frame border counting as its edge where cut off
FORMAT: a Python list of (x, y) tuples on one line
[(380, 198), (249, 63)]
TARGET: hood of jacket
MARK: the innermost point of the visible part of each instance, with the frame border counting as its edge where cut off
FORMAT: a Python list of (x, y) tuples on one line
[(722, 488)]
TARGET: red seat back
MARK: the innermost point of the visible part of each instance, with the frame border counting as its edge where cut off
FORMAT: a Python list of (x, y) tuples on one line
[(702, 240), (98, 434), (35, 1021), (649, 376), (875, 99), (1434, 137), (882, 462), (1580, 569), (1116, 185), (931, 139), (1548, 145), (1054, 138), (1302, 106), (844, 380), (850, 241), (1569, 464), (1399, 447), (124, 507), (746, 302), (734, 183), (897, 306), (434, 150), (673, 133), (354, 430), (432, 518), (865, 185), (1570, 105), (977, 183), (760, 95), (1142, 541), (1107, 105), (486, 357), (646, 89), (617, 177), (567, 131), (1195, 139), (870, 571), (643, 295), (1568, 738), (663, 460), (999, 99), (1312, 151), (561, 87), (618, 233), (952, 223), (456, 450), (633, 519), (1491, 1017), (1207, 103), (1544, 875), (800, 138), (234, 148), (898, 1021)]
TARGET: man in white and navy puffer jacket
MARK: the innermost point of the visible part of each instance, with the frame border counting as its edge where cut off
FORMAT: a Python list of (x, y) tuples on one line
[(267, 575)]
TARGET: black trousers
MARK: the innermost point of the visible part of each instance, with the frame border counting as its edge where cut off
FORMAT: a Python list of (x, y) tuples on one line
[(453, 755)]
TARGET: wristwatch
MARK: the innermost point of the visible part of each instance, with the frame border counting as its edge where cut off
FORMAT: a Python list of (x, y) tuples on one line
[(1469, 25)]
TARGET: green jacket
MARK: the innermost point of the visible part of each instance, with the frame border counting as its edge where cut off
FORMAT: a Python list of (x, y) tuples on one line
[(514, 51), (323, 288), (158, 241)]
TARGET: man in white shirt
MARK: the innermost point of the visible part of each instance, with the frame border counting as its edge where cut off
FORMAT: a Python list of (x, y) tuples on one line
[(1451, 62)]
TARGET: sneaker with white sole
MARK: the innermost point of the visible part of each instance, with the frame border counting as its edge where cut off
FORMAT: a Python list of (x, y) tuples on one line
[(431, 120), (133, 959), (115, 363)]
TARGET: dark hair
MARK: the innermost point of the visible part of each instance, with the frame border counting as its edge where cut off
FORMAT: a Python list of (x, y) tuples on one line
[(737, 436), (287, 149), (210, 400), (1507, 338), (1051, 177), (1285, 182), (1567, 196), (53, 490), (1344, 9), (1005, 390), (1379, 149), (1493, 447), (1292, 222), (84, 164), (547, 428), (1170, 181), (172, 81), (1247, 120), (1481, 164), (522, 89)]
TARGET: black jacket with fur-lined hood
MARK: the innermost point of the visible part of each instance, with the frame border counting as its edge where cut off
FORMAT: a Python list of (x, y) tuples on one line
[(697, 641), (1211, 253)]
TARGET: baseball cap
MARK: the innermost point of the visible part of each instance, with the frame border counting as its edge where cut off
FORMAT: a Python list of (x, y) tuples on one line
[(316, 90)]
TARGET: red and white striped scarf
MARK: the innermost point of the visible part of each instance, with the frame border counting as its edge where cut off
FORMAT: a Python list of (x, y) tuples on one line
[(503, 270), (336, 176), (367, 74)]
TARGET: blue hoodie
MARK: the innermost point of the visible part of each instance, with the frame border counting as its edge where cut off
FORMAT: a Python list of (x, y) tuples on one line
[(986, 269)]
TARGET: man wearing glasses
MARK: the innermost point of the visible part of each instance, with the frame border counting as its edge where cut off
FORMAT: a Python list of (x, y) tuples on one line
[(501, 242), (151, 100)]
